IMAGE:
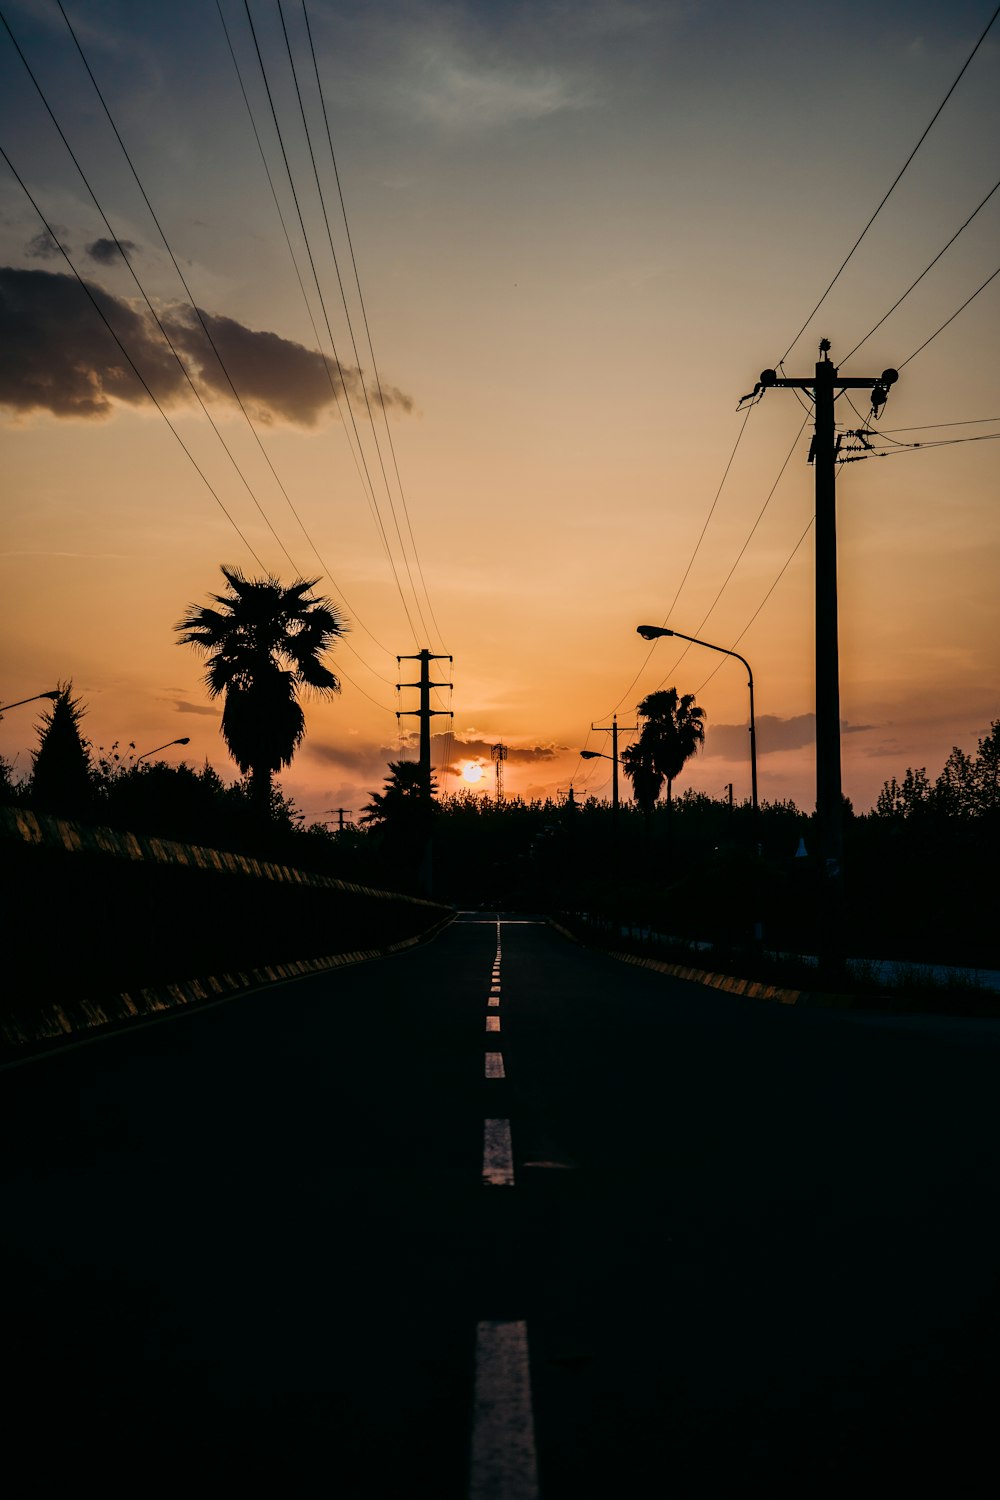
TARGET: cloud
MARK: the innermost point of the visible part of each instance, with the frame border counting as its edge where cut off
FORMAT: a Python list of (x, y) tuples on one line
[(456, 91), (370, 762), (60, 357), (516, 754), (195, 708), (732, 741), (42, 246), (107, 252)]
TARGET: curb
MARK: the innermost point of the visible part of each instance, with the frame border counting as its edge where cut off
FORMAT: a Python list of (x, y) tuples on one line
[(59, 1021), (753, 989)]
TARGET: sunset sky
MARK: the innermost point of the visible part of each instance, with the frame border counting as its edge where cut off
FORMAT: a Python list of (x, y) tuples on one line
[(581, 231)]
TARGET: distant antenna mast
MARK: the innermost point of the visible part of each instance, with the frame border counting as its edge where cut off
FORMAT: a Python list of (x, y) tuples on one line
[(499, 754)]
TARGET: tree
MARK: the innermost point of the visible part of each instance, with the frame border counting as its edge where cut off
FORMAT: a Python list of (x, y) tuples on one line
[(263, 647), (403, 812), (672, 732), (402, 806), (62, 779), (647, 781)]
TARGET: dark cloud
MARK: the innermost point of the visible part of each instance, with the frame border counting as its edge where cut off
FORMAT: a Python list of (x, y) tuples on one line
[(42, 246), (107, 252), (370, 762), (60, 357), (732, 741), (195, 708), (516, 755)]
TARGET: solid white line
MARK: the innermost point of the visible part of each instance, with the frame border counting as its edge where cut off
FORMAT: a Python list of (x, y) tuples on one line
[(494, 1065), (492, 1023), (498, 1155), (504, 1465)]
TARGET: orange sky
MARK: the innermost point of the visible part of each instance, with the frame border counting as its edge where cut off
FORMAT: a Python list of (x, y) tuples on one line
[(580, 234)]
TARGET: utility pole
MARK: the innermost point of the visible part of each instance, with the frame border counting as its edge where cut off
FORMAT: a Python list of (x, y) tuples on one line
[(825, 385), (612, 729), (424, 713)]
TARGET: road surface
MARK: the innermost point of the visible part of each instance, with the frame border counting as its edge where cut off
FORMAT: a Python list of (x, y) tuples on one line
[(501, 1218)]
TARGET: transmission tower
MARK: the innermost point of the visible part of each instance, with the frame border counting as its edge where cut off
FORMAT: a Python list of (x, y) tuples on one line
[(499, 754)]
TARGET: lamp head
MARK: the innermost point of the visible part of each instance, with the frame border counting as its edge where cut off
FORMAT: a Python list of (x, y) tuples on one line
[(590, 754), (652, 632)]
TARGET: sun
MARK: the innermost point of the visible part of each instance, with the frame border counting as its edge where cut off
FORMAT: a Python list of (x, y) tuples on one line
[(472, 772)]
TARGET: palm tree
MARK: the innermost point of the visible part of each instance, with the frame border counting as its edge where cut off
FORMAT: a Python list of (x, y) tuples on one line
[(647, 781), (672, 732), (263, 646), (403, 802)]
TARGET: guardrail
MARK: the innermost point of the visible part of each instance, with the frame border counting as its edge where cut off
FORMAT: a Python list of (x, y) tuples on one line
[(104, 927)]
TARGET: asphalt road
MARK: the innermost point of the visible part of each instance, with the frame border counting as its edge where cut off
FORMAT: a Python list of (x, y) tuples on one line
[(745, 1248)]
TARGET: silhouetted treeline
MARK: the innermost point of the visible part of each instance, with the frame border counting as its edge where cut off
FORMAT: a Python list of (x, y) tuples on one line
[(920, 868)]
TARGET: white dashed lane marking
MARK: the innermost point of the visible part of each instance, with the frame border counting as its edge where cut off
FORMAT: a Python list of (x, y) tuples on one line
[(494, 1065), (492, 1023), (504, 1464), (498, 1155)]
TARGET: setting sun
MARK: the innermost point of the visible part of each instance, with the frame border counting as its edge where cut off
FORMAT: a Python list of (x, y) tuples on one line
[(472, 772)]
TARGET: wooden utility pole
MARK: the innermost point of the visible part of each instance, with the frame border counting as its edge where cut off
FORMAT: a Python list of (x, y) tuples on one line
[(612, 729), (825, 385)]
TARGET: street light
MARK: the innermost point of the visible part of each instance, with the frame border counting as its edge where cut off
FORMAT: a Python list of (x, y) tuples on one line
[(53, 693), (653, 632), (185, 740), (615, 761)]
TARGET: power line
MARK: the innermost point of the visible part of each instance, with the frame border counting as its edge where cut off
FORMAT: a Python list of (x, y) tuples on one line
[(766, 597), (350, 326), (892, 186), (923, 273), (142, 291), (208, 334), (687, 570), (954, 315), (711, 609), (298, 276), (364, 314), (926, 426), (100, 312), (901, 448), (326, 316)]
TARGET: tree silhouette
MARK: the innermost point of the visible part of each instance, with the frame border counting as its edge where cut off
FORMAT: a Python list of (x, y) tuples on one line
[(672, 732), (402, 805), (62, 778), (647, 781), (263, 646), (402, 813)]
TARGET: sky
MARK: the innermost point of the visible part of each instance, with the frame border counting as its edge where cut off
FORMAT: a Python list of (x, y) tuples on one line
[(580, 231)]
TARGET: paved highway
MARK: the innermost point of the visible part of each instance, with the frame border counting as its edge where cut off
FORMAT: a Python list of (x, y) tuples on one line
[(500, 1218)]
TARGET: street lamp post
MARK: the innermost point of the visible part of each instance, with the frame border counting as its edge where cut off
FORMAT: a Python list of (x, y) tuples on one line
[(653, 632), (184, 740), (614, 758), (615, 761), (53, 694)]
